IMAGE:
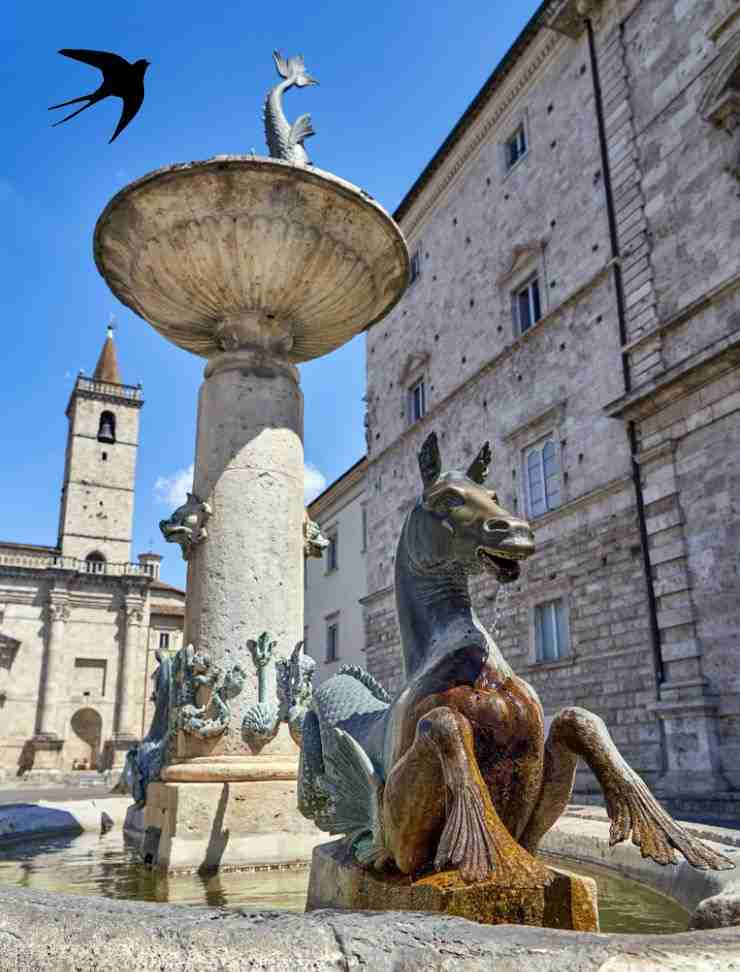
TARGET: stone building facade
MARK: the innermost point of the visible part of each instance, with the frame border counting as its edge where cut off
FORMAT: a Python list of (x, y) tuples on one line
[(79, 621), (336, 583), (575, 249)]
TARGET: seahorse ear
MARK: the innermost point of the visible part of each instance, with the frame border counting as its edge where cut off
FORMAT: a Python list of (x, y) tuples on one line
[(478, 470), (430, 461)]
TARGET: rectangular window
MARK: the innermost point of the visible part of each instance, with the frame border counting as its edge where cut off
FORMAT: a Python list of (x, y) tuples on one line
[(551, 631), (542, 478), (526, 305), (364, 529), (332, 642), (332, 553), (417, 404), (415, 266), (164, 641), (89, 678), (516, 147)]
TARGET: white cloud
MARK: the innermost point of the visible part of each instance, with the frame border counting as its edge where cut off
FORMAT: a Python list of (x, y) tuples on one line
[(173, 489), (314, 482)]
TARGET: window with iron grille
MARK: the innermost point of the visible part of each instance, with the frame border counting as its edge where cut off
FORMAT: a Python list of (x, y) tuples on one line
[(552, 640), (332, 641), (542, 478), (516, 146), (332, 553), (417, 401), (526, 305), (415, 265)]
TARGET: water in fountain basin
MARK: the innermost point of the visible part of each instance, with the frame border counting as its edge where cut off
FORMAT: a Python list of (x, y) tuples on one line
[(93, 865)]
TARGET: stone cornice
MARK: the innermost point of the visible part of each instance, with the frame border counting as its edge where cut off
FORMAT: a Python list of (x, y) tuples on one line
[(713, 296), (586, 499), (486, 110), (682, 379), (355, 474), (369, 599), (552, 415)]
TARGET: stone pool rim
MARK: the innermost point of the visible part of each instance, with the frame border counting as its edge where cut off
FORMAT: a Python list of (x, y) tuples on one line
[(76, 931), (55, 931)]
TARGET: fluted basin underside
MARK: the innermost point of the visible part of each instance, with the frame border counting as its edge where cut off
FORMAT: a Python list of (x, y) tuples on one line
[(210, 252)]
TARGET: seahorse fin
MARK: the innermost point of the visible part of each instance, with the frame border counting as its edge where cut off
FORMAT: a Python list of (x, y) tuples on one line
[(296, 65), (356, 787), (281, 64), (300, 129)]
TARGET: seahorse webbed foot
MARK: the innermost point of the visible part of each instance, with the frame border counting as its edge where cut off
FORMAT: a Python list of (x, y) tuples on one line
[(633, 808), (466, 843)]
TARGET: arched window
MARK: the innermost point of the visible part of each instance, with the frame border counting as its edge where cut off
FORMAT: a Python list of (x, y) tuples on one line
[(95, 563), (107, 427)]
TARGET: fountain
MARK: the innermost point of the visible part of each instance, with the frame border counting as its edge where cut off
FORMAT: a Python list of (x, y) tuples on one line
[(258, 264), (255, 264)]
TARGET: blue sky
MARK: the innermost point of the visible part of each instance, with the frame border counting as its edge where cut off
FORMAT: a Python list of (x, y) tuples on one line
[(394, 78)]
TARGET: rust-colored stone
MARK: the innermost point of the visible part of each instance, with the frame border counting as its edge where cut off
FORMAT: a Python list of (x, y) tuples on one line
[(558, 900)]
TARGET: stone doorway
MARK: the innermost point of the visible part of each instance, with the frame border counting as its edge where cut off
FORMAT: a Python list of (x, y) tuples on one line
[(83, 747)]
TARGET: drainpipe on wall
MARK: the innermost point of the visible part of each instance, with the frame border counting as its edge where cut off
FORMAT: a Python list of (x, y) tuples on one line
[(621, 317)]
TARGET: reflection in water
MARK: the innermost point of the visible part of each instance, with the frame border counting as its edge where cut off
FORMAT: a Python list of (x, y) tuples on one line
[(94, 865), (625, 905)]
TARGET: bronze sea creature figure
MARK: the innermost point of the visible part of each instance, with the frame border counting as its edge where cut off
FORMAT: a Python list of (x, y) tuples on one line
[(285, 141), (455, 771)]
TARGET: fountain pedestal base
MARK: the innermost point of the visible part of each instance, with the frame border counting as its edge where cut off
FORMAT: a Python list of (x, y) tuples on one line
[(337, 881), (191, 826)]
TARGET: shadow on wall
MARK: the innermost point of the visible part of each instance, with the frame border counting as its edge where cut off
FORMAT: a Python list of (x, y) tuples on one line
[(219, 838), (26, 757)]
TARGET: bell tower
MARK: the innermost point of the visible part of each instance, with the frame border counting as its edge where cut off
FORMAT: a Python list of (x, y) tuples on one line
[(97, 507)]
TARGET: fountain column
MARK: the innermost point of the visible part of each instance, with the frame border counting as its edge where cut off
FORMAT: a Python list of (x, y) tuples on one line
[(247, 577), (256, 265)]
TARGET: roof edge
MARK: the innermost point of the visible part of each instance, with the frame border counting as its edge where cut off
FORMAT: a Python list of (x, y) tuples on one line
[(538, 20)]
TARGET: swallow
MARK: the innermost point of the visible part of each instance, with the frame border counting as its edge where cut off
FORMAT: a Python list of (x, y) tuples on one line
[(120, 78)]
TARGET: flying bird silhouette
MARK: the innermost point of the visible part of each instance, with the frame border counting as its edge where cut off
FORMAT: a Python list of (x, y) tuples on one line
[(120, 78)]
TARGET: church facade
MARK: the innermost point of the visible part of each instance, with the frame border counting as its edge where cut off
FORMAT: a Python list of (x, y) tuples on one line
[(80, 621), (575, 299)]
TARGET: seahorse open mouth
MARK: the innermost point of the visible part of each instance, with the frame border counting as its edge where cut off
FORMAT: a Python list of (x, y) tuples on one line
[(503, 565)]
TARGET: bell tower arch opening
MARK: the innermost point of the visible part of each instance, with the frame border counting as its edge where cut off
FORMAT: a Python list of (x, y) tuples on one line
[(107, 427)]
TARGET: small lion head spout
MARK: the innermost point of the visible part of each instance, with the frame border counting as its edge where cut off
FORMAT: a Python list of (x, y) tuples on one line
[(459, 524)]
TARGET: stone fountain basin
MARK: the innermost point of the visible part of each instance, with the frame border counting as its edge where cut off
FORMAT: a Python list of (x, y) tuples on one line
[(71, 931), (214, 254)]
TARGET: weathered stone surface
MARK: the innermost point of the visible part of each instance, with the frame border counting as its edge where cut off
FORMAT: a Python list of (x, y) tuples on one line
[(207, 825), (479, 229), (337, 881), (238, 239), (45, 932)]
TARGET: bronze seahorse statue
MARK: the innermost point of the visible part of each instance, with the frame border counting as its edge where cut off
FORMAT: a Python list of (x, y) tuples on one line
[(455, 770)]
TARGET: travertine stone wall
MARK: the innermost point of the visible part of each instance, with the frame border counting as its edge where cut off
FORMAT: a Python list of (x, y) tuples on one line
[(480, 231)]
